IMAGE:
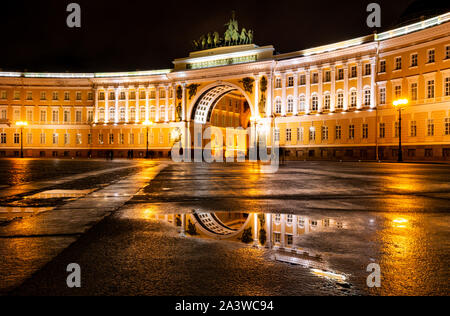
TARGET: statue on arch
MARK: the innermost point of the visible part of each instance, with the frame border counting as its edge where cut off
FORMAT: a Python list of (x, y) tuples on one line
[(250, 36), (216, 39), (243, 38)]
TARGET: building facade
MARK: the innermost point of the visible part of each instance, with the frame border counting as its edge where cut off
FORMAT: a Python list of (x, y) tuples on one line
[(330, 102)]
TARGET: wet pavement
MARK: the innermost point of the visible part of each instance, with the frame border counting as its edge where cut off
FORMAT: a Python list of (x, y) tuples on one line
[(348, 215)]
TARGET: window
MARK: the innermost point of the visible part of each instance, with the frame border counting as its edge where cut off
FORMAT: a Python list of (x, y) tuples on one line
[(398, 63), (66, 139), (78, 116), (16, 95), (382, 95), (4, 114), (66, 96), (90, 116), (447, 126), (131, 139), (278, 106), (315, 78), (153, 94), (414, 95), (290, 105), (122, 95), (340, 74), (288, 135), (382, 66), (43, 116), (16, 138), (314, 103), (324, 133), (122, 113), (111, 138), (300, 134), (327, 102), (277, 237), (132, 114), (112, 96), (365, 131), (398, 91), (42, 138), (430, 89), (55, 116), (55, 139), (100, 139), (101, 96), (430, 128), (340, 100), (447, 52), (78, 96), (29, 115), (29, 138), (90, 96), (101, 114), (121, 139), (413, 128), (290, 81), (29, 96), (353, 98), (367, 70), (367, 97), (382, 130), (302, 80), (428, 152), (431, 56), (327, 76), (277, 135), (66, 116), (338, 132), (414, 60), (3, 95), (142, 95), (354, 72), (277, 83), (312, 134), (302, 103), (112, 114), (447, 86), (55, 96), (289, 239), (43, 96), (3, 138), (16, 115), (351, 131)]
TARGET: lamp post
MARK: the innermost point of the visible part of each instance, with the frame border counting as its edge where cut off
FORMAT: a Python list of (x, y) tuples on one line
[(398, 104), (147, 124), (21, 124)]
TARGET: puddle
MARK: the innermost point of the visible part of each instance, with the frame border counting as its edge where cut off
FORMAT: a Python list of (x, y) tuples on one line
[(58, 194)]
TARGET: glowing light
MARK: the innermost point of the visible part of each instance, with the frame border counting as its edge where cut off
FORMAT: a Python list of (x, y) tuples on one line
[(147, 123), (329, 275), (401, 102), (20, 123)]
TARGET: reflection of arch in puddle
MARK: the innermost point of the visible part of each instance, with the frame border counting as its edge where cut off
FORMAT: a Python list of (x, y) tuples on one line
[(221, 225)]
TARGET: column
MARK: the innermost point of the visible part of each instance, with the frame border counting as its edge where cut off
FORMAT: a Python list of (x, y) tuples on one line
[(116, 105), (373, 92), (295, 93), (138, 108), (320, 96), (345, 87), (256, 104), (333, 89), (96, 106), (166, 107), (359, 87), (183, 103), (255, 229), (127, 105), (283, 230), (157, 103), (269, 95), (294, 228), (147, 103), (283, 94), (106, 105), (269, 230), (308, 92)]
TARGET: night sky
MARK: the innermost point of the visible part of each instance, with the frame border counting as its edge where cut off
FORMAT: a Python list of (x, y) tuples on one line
[(145, 35)]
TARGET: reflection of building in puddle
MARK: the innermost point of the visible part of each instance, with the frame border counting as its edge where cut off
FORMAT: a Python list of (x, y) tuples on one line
[(281, 233)]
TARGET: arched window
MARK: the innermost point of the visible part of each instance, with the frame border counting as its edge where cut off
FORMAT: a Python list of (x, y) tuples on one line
[(101, 114), (132, 114), (353, 98), (142, 114), (290, 105), (314, 102), (340, 100), (122, 114), (152, 116), (367, 96), (162, 114), (112, 113), (326, 101), (278, 106), (302, 103)]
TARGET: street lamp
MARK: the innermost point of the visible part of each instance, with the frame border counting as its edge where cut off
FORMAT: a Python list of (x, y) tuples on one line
[(398, 104), (147, 124), (21, 124)]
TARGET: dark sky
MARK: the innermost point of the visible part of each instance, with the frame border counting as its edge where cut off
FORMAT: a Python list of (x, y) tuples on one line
[(134, 34)]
